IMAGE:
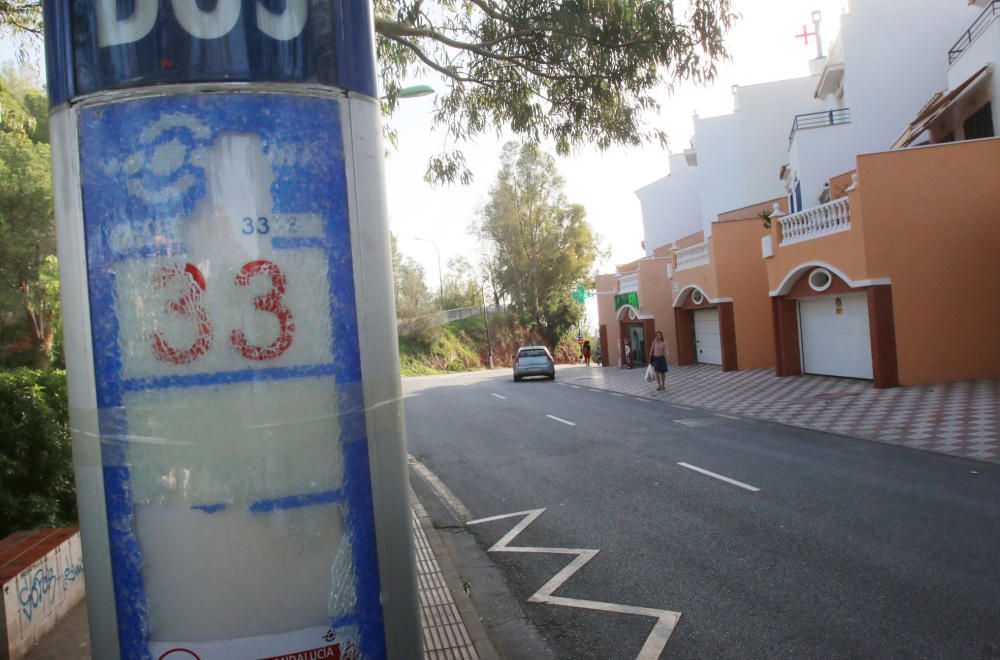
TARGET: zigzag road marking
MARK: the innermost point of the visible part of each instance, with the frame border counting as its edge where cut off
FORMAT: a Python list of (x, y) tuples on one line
[(665, 619)]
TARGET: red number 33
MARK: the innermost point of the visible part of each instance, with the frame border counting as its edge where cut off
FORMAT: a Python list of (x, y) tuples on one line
[(189, 305), (269, 302)]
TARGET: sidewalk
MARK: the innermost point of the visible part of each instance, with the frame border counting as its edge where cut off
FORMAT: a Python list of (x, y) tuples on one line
[(960, 419), (451, 628)]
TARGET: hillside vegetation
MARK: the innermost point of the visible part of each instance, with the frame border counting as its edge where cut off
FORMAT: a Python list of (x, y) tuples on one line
[(461, 345)]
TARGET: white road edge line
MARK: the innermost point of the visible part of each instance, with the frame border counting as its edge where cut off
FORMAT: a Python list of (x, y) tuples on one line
[(720, 477), (617, 394), (560, 419), (666, 620), (499, 396), (444, 493)]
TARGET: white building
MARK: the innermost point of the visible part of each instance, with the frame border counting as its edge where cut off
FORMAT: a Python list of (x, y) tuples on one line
[(967, 109), (731, 163), (671, 206), (887, 62)]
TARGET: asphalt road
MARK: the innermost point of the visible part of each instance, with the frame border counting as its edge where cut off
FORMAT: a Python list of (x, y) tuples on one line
[(848, 549)]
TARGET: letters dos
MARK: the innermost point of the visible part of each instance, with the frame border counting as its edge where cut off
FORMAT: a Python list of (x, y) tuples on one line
[(218, 22)]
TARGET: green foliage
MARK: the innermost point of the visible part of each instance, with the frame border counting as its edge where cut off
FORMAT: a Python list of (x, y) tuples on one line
[(36, 471), (540, 245), (21, 16), (29, 288), (413, 299), (461, 288), (461, 345), (576, 72)]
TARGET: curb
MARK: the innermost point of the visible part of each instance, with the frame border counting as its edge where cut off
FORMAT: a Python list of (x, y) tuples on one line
[(470, 618)]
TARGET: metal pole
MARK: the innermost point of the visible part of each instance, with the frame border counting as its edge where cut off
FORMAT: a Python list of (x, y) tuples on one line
[(486, 320), (816, 15), (440, 278), (196, 162)]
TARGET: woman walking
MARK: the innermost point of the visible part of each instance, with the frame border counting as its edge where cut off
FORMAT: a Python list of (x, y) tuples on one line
[(658, 358)]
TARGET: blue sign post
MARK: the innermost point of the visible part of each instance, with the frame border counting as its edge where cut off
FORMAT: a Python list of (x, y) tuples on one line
[(230, 343)]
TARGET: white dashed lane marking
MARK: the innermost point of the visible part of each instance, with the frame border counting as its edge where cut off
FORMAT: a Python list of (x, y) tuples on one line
[(560, 419), (740, 484), (499, 396)]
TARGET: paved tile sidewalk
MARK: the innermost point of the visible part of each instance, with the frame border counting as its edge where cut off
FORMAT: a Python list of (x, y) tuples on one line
[(445, 636), (960, 419)]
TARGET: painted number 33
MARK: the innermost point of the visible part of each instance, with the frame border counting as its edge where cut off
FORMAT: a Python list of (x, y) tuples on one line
[(190, 281)]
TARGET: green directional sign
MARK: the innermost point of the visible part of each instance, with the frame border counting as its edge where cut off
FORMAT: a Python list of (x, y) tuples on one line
[(580, 294), (630, 298)]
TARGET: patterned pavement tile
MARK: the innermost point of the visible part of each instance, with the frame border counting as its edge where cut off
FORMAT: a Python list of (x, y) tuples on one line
[(960, 419)]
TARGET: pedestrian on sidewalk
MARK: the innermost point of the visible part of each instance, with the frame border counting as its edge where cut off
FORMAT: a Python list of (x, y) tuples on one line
[(627, 353), (658, 358), (586, 352)]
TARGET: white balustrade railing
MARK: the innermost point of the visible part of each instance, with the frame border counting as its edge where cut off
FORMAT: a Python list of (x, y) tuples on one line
[(696, 255), (822, 220)]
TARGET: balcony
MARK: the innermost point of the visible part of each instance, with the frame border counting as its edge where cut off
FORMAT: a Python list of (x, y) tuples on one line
[(691, 257), (977, 28), (823, 220), (820, 119)]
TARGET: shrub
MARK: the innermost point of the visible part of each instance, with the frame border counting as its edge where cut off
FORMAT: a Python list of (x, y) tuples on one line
[(36, 465)]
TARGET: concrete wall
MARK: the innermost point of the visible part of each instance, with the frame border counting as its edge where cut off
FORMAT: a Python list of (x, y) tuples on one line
[(654, 295), (607, 287), (740, 154), (742, 276), (904, 47), (930, 220), (671, 205), (46, 585)]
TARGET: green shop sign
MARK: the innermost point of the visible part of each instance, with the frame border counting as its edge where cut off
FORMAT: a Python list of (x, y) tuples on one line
[(630, 298)]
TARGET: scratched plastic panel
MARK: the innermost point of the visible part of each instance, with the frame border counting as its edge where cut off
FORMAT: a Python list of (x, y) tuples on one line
[(226, 351)]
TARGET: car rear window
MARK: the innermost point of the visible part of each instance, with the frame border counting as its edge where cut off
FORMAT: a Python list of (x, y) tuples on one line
[(533, 352)]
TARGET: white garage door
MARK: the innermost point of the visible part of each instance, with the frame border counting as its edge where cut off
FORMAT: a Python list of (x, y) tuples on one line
[(836, 344), (707, 342)]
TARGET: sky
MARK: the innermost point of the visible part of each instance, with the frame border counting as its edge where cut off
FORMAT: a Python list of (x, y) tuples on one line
[(762, 46)]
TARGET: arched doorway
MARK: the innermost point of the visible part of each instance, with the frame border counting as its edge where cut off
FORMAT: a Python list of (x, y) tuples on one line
[(827, 324), (639, 330), (706, 329)]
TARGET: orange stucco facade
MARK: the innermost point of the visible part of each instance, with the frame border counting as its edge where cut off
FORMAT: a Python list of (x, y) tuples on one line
[(922, 244), (924, 238), (742, 276)]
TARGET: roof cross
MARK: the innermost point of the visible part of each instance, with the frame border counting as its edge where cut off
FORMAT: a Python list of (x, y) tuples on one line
[(805, 35)]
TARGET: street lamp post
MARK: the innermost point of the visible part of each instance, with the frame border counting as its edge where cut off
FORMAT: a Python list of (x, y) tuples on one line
[(415, 91), (486, 321), (440, 279)]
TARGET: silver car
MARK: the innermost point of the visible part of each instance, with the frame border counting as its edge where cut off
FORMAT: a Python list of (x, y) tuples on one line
[(534, 361)]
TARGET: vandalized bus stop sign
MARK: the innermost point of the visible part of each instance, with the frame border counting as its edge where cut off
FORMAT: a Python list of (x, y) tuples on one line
[(237, 432)]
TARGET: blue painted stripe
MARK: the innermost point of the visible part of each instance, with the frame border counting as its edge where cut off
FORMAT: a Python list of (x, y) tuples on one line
[(297, 242), (319, 189), (227, 377), (208, 508), (335, 49), (296, 501), (344, 621), (171, 249)]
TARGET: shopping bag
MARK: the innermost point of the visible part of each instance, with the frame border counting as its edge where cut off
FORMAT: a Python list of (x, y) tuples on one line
[(649, 374)]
